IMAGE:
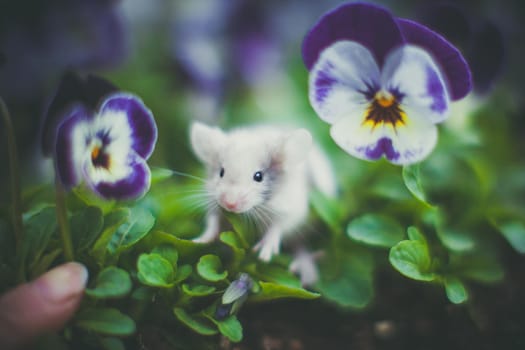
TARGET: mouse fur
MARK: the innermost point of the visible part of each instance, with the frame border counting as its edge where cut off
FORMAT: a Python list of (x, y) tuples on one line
[(264, 171)]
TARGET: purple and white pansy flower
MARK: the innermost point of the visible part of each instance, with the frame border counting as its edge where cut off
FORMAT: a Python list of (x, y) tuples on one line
[(382, 82), (107, 149)]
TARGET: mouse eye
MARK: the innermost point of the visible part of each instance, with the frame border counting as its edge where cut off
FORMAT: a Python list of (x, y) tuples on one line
[(258, 176), (221, 174)]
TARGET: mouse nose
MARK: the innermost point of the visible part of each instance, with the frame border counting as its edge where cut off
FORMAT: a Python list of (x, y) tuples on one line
[(230, 203)]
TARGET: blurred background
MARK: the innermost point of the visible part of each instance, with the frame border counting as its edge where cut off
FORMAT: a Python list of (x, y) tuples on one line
[(233, 62), (225, 62)]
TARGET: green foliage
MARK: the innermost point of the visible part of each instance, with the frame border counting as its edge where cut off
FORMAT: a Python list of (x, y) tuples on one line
[(86, 226), (348, 279), (139, 223), (155, 271), (112, 282), (449, 222), (230, 327), (272, 291), (413, 260), (209, 267), (108, 321), (375, 230)]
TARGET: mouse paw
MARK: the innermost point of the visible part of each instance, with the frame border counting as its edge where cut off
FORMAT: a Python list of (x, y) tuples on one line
[(268, 247), (304, 265)]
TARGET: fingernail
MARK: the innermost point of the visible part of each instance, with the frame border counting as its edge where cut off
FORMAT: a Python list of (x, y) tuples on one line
[(63, 282)]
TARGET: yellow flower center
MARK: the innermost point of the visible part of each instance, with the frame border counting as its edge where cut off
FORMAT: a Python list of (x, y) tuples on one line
[(99, 158), (384, 109), (384, 98)]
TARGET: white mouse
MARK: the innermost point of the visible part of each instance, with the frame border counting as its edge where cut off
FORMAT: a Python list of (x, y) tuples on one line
[(262, 171)]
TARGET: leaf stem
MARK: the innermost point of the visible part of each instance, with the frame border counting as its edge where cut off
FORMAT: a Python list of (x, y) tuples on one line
[(16, 211), (63, 221)]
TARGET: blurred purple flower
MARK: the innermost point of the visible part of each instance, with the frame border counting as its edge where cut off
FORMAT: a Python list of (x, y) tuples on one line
[(39, 40), (382, 82), (107, 149), (480, 39)]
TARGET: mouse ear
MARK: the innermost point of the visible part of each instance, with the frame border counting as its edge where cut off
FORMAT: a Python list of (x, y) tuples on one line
[(297, 146), (206, 141)]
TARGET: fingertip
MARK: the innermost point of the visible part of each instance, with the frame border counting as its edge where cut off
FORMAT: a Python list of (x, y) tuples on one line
[(41, 306), (63, 282)]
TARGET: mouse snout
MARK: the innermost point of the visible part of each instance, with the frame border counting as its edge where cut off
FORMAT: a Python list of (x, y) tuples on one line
[(231, 203)]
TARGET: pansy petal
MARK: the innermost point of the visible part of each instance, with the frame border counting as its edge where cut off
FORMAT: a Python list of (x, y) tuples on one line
[(140, 119), (414, 141), (370, 25), (73, 89), (411, 73), (341, 79), (358, 138), (405, 144), (70, 146), (448, 57), (133, 186)]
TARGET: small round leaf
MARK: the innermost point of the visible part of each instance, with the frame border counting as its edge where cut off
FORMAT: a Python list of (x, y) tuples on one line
[(108, 321), (112, 282), (155, 271), (412, 259), (209, 267), (375, 230)]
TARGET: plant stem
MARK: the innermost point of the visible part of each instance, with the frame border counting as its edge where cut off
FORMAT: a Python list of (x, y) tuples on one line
[(14, 179), (63, 221)]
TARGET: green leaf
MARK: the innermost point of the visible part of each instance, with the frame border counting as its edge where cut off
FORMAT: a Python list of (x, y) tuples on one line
[(277, 274), (352, 284), (104, 320), (160, 174), (209, 267), (415, 235), (514, 233), (244, 230), (198, 324), (112, 282), (139, 223), (328, 209), (143, 293), (412, 179), (455, 290), (272, 291), (112, 222), (198, 290), (110, 343), (185, 247), (38, 267), (478, 266), (86, 195), (456, 240), (39, 229), (412, 259), (183, 272), (375, 230), (230, 327), (168, 252), (86, 225), (232, 239), (155, 271)]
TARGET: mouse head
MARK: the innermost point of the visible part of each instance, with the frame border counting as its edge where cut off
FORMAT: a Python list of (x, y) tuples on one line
[(247, 166)]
